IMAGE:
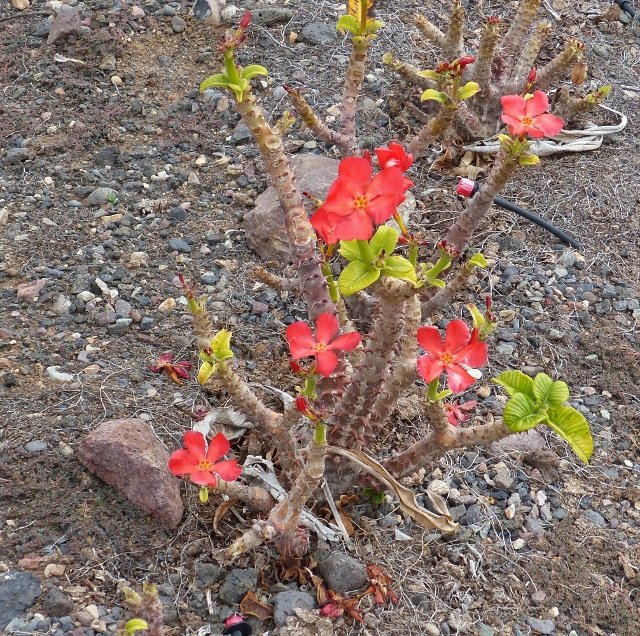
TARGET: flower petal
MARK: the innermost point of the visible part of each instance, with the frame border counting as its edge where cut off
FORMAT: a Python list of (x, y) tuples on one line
[(550, 125), (429, 368), (384, 206), (182, 463), (204, 478), (458, 379), (513, 105), (537, 105), (510, 120), (324, 223), (355, 170), (429, 339), (228, 470), (386, 181), (326, 362), (300, 339), (218, 447), (347, 342), (356, 226), (457, 336), (326, 328), (473, 355), (195, 444)]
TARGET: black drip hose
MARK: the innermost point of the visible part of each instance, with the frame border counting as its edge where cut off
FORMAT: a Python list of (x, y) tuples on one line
[(627, 7)]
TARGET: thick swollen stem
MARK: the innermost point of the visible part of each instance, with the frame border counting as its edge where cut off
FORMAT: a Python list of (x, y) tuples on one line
[(526, 60), (313, 122), (549, 74), (445, 295), (278, 283), (516, 36), (431, 31), (436, 127), (406, 70), (481, 69), (285, 516), (257, 498), (567, 107), (460, 233), (466, 123), (249, 404), (352, 84), (454, 41), (425, 452), (302, 237)]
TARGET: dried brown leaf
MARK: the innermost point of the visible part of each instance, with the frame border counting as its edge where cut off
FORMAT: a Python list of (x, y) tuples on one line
[(221, 512), (251, 605)]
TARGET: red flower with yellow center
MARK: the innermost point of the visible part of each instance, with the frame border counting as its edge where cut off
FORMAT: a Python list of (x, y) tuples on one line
[(528, 116), (201, 463), (459, 352)]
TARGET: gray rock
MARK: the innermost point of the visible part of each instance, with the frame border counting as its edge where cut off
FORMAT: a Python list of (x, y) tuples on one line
[(503, 479), (57, 603), (178, 24), (120, 326), (343, 573), (100, 196), (457, 512), (66, 21), (475, 514), (179, 245), (241, 134), (128, 456), (237, 584), (540, 626), (123, 308), (62, 305), (534, 525), (209, 278), (106, 317), (269, 16), (18, 592), (208, 574), (318, 33), (595, 517), (14, 156), (485, 630), (32, 289), (36, 446), (288, 601)]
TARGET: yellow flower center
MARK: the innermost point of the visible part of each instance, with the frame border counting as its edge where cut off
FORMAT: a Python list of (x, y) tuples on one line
[(527, 121), (205, 464), (447, 358), (360, 202), (320, 346)]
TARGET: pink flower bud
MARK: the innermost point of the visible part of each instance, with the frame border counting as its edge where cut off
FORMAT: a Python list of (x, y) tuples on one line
[(301, 404), (246, 20), (465, 187), (531, 78)]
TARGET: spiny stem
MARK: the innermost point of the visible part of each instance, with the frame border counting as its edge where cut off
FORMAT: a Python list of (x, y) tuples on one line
[(353, 82), (453, 47), (431, 31), (549, 74)]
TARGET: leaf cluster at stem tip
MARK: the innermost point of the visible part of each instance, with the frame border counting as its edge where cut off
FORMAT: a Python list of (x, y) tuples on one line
[(541, 400)]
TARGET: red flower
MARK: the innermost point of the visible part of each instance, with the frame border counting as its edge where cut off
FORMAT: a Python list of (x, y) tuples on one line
[(200, 463), (302, 342), (459, 350), (174, 371), (529, 117), (394, 156), (458, 413), (356, 201)]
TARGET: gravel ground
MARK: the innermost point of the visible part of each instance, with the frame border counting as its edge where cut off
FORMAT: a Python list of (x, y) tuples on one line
[(115, 174)]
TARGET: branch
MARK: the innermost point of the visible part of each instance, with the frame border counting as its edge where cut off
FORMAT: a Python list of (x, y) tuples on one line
[(406, 70), (453, 47), (549, 74), (431, 31), (527, 58), (352, 84), (430, 132), (481, 71), (513, 40)]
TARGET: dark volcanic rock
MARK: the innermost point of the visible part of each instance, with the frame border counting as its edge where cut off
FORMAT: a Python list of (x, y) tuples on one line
[(18, 592)]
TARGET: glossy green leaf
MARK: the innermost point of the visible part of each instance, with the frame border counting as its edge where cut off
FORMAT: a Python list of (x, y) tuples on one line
[(356, 276), (252, 70), (220, 345), (433, 94), (521, 414), (515, 382), (350, 250), (215, 81), (429, 74), (546, 391), (572, 427), (400, 268), (206, 370), (529, 160), (477, 260), (136, 625), (384, 240), (373, 26), (468, 90), (348, 23)]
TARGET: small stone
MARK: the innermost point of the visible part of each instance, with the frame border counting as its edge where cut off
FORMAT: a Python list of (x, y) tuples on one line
[(167, 305), (398, 535), (57, 603), (439, 487), (457, 512), (138, 259), (59, 376), (179, 245), (201, 161), (343, 573), (210, 278), (259, 308), (316, 33), (538, 597), (510, 511), (475, 514), (178, 24), (503, 478), (137, 12), (31, 290), (116, 80), (541, 626), (91, 370), (483, 392), (100, 196), (595, 517), (36, 446), (123, 308), (120, 326), (84, 618), (286, 602), (54, 569), (85, 296), (62, 305), (237, 584), (431, 629), (93, 610), (208, 573), (540, 497), (518, 544)]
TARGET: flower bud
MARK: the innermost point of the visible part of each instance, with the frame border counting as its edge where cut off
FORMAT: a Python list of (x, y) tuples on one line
[(465, 188), (531, 78), (301, 404), (579, 73)]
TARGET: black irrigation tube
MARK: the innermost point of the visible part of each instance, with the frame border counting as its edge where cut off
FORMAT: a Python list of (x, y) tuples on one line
[(626, 6), (468, 188)]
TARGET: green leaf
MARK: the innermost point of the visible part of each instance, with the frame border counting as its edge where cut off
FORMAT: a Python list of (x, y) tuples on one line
[(572, 427), (215, 81), (136, 625), (220, 345), (252, 70), (348, 23), (207, 369), (546, 391), (350, 250), (432, 93), (357, 276), (521, 414), (399, 267), (384, 240), (432, 75), (239, 89), (515, 382), (529, 160), (373, 26), (203, 494), (468, 90), (477, 260)]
